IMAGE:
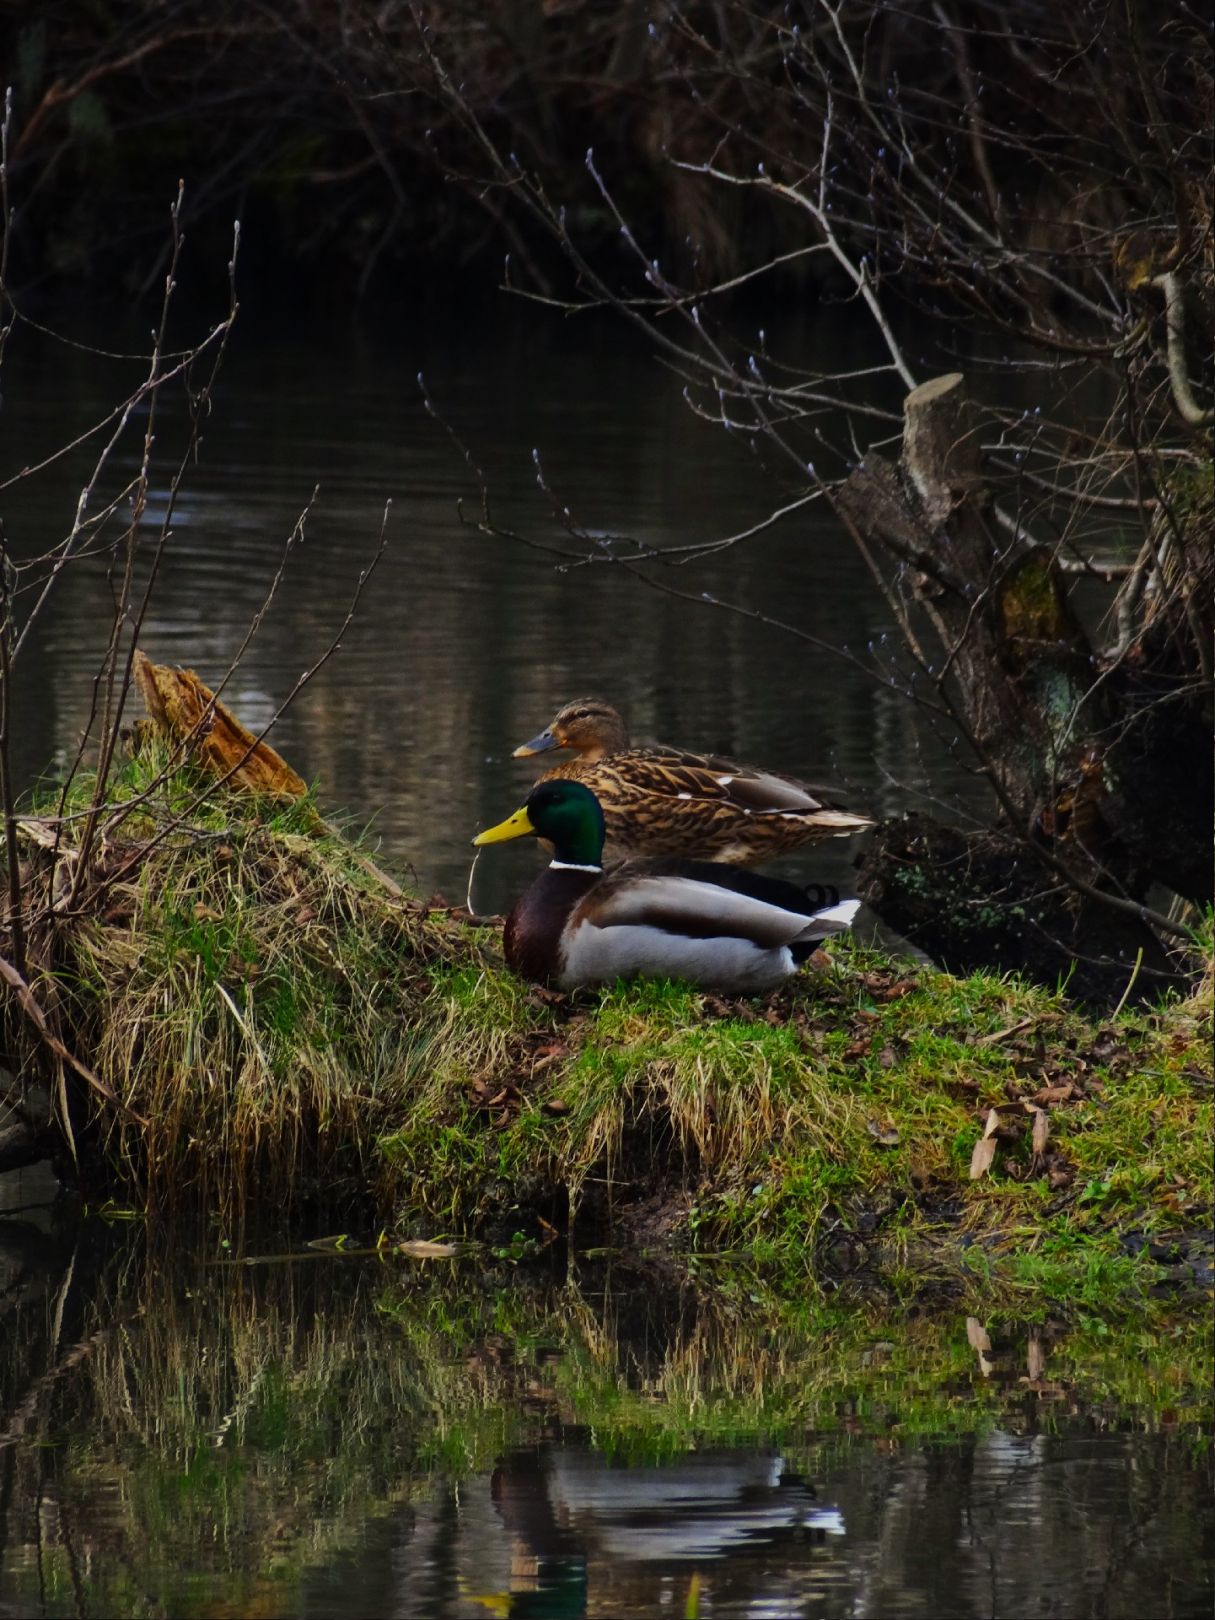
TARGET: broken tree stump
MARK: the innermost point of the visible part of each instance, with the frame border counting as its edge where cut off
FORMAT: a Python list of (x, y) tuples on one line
[(186, 712), (986, 609)]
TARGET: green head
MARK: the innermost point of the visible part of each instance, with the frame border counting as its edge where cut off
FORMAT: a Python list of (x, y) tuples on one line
[(566, 813)]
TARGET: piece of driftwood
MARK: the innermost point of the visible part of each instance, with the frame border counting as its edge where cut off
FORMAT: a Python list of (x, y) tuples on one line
[(186, 712)]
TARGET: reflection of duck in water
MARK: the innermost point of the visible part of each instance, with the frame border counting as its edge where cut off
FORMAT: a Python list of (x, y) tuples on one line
[(567, 1509), (703, 1506)]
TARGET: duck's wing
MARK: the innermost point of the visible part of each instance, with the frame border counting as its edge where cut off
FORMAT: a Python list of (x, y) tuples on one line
[(726, 875), (672, 774), (696, 905)]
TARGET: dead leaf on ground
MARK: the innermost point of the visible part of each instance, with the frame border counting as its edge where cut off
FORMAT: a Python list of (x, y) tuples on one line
[(985, 1147), (540, 994), (982, 1156), (1041, 1132), (976, 1334), (895, 992), (556, 1105), (1052, 1094)]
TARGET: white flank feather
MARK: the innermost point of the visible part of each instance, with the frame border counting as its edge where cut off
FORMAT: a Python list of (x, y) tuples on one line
[(621, 942), (638, 900), (593, 955), (830, 920)]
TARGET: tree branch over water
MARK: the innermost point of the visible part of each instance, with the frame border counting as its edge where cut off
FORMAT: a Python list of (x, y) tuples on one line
[(849, 122)]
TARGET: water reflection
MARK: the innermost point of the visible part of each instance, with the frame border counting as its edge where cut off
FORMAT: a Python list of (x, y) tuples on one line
[(183, 1435)]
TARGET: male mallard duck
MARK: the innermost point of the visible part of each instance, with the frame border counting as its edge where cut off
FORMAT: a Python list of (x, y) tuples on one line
[(661, 801), (720, 926)]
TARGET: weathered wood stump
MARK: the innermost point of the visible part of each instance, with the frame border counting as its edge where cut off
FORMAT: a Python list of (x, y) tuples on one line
[(186, 712), (986, 609)]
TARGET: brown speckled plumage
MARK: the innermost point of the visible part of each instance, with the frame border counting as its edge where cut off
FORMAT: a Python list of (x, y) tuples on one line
[(665, 801)]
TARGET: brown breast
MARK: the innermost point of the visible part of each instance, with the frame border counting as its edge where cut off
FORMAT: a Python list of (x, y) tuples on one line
[(532, 937)]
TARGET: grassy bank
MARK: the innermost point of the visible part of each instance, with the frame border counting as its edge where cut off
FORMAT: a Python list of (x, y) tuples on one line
[(839, 1119), (287, 1023)]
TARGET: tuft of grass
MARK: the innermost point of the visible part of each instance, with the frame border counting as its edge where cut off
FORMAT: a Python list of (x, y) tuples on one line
[(252, 988)]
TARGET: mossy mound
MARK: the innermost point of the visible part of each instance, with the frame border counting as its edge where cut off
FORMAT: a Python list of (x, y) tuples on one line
[(285, 1021), (248, 983)]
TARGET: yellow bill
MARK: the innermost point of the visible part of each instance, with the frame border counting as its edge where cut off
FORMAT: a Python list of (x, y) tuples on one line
[(516, 826)]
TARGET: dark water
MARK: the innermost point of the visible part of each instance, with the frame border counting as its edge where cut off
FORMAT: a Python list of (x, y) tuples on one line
[(464, 645), (185, 1434)]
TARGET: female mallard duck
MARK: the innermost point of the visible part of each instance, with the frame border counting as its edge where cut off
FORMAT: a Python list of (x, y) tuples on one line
[(661, 801), (720, 926)]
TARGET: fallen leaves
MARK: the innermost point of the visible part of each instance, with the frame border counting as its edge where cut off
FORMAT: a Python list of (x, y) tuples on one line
[(1041, 1132), (885, 988), (1049, 1095), (985, 1148)]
